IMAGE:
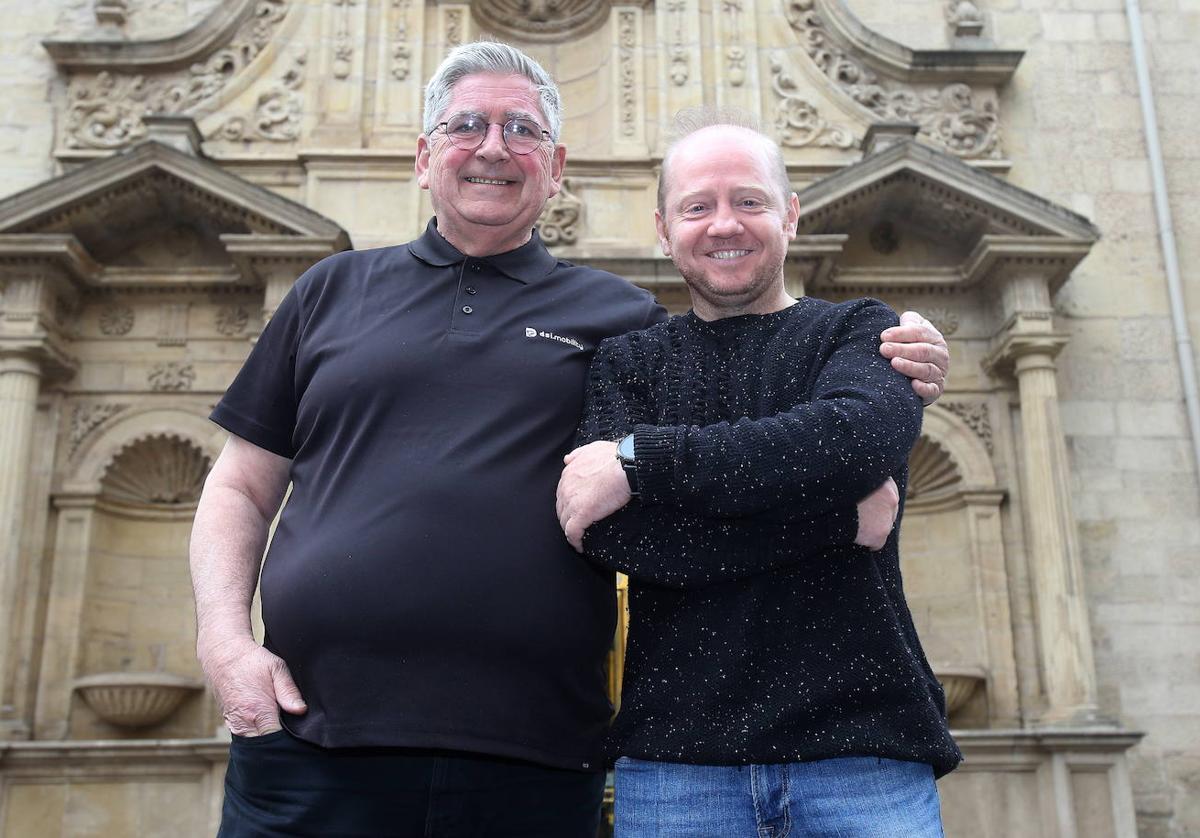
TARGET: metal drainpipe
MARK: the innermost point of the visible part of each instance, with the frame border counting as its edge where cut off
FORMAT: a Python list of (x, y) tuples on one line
[(1166, 230)]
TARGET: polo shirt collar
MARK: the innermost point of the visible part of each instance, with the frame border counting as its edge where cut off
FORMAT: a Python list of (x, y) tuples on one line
[(528, 263)]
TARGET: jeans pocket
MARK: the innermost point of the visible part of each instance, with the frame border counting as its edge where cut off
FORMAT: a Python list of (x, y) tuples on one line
[(261, 739)]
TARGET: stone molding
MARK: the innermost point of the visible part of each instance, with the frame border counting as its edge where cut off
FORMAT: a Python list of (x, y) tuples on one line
[(541, 21)]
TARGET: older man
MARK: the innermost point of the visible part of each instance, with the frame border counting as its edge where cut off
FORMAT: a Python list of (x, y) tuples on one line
[(774, 683), (433, 663)]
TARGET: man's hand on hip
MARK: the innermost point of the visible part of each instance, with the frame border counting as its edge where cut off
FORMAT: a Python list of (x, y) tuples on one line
[(917, 349), (251, 684), (592, 487), (877, 515)]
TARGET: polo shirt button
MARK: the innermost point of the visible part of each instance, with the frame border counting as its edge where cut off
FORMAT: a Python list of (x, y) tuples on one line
[(467, 309), (475, 267), (471, 290)]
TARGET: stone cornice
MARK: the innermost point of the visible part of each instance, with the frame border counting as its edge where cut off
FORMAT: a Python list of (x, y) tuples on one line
[(159, 55), (1049, 258)]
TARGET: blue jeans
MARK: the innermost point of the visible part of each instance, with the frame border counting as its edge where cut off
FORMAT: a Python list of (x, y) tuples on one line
[(848, 797)]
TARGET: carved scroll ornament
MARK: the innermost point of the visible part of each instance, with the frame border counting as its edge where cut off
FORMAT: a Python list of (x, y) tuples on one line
[(953, 116), (560, 221), (106, 110), (797, 119)]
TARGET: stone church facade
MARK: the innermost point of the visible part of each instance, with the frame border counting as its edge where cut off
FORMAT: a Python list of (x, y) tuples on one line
[(168, 167)]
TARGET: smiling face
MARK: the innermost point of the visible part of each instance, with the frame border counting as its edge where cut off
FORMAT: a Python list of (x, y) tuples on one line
[(725, 224), (487, 199)]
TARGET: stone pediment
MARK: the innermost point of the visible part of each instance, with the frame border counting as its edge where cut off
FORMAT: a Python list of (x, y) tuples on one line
[(911, 215), (156, 215)]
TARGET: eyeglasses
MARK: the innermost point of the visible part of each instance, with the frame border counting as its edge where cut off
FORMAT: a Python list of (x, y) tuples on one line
[(467, 131)]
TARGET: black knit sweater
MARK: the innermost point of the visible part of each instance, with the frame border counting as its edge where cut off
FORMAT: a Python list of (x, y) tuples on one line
[(759, 633)]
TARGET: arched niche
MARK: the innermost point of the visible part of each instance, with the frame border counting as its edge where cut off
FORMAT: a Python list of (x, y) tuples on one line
[(954, 572), (120, 595)]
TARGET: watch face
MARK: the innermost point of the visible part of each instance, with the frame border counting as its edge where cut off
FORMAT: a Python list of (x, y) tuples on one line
[(625, 448)]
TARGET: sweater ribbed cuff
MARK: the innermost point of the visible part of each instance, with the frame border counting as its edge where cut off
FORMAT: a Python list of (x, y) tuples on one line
[(654, 452)]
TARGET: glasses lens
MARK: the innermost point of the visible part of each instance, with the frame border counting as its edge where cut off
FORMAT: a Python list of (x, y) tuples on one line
[(466, 130), (522, 135)]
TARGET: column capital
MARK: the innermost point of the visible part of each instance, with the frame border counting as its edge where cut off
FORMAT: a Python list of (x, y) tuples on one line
[(1016, 351), (45, 357)]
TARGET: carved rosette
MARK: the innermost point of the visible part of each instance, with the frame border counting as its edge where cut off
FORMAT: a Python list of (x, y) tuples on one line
[(560, 221), (540, 20), (106, 110), (116, 320), (231, 321), (797, 119), (953, 116)]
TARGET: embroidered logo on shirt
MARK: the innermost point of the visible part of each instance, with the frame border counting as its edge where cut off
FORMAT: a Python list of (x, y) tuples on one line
[(535, 333)]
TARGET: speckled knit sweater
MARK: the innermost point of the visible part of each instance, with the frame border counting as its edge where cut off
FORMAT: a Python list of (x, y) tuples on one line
[(759, 633)]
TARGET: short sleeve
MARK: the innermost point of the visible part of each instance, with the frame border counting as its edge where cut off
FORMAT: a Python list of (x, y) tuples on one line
[(260, 405)]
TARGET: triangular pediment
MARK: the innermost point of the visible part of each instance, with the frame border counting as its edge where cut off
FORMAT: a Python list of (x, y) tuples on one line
[(911, 214), (152, 210)]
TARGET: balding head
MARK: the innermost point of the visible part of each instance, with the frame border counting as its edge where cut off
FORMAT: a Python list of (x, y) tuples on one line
[(694, 124)]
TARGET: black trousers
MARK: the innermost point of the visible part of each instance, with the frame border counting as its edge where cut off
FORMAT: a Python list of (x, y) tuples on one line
[(278, 785)]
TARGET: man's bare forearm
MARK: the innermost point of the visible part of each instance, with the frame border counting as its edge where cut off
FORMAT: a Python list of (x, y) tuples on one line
[(240, 498)]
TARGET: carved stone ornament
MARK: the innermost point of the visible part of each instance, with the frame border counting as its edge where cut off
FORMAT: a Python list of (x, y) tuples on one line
[(277, 114), (735, 53), (401, 51), (171, 376), (232, 320), (454, 27), (343, 44), (106, 110), (560, 221), (953, 116), (85, 418), (976, 417), (930, 469), (965, 19), (679, 57), (158, 469), (797, 119), (116, 320), (943, 319), (540, 20), (627, 42)]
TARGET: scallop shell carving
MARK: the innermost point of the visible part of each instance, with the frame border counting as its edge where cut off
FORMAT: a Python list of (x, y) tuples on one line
[(157, 470), (930, 468)]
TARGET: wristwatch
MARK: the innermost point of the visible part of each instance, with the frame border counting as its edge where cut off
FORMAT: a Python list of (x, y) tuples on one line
[(628, 463)]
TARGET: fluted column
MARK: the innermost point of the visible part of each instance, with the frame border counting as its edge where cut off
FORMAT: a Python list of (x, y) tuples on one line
[(1056, 568), (20, 379)]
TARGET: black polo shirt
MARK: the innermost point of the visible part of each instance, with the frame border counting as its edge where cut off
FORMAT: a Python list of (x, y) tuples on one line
[(418, 585)]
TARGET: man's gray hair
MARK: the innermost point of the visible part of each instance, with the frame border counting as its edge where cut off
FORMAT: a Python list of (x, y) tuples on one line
[(691, 120), (489, 57)]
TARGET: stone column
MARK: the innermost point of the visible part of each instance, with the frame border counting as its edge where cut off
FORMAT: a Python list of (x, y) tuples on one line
[(20, 380), (1065, 639)]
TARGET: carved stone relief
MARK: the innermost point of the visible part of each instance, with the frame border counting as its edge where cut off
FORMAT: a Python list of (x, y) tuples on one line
[(953, 116), (797, 119), (343, 43), (171, 376), (116, 320), (627, 42), (172, 324), (86, 418), (540, 20), (679, 57), (454, 27), (106, 110), (735, 53), (965, 19), (944, 319), (277, 114), (562, 218), (231, 321), (977, 418), (401, 51), (930, 468), (157, 470)]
